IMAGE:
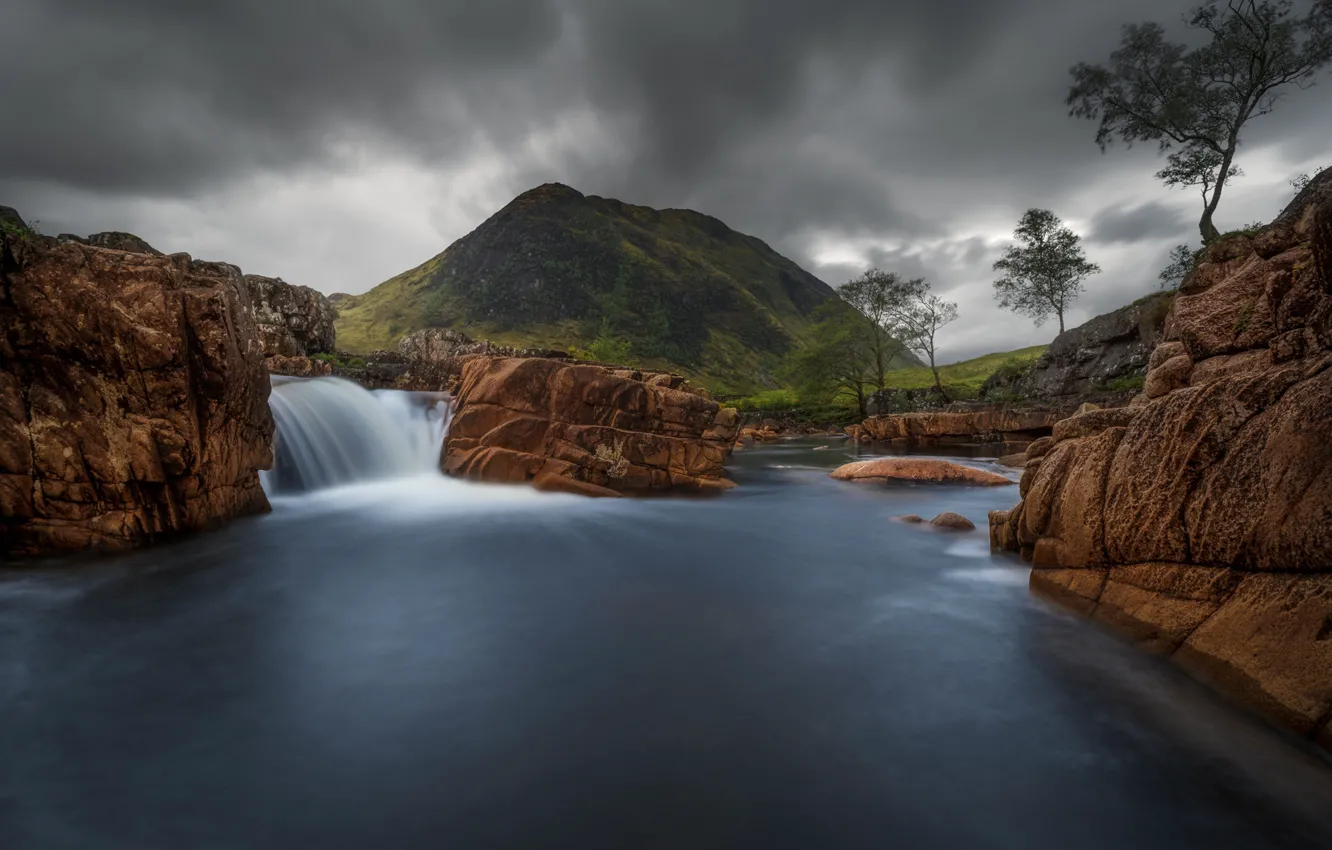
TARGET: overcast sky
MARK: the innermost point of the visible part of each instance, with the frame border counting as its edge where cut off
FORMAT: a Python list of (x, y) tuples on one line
[(335, 143)]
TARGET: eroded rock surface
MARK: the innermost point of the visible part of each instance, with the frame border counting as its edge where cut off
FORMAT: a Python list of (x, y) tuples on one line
[(133, 397), (990, 424), (1199, 520), (585, 429), (293, 321)]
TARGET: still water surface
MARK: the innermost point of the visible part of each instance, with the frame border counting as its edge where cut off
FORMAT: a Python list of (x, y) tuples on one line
[(425, 663)]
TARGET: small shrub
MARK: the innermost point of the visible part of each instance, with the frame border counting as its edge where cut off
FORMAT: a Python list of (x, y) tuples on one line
[(1126, 383), (330, 359), (18, 231), (356, 363)]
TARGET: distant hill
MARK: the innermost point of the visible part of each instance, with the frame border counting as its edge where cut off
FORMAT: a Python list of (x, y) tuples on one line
[(559, 269)]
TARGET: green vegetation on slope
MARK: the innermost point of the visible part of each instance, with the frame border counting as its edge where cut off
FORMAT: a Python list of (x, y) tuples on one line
[(966, 376), (677, 289), (961, 380)]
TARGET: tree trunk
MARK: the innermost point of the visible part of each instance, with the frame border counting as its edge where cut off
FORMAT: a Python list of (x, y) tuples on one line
[(1205, 226), (938, 385), (1060, 313)]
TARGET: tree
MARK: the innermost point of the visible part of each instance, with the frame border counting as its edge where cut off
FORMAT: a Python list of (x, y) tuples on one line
[(1301, 181), (1183, 260), (1044, 274), (919, 320), (879, 296), (1194, 102), (840, 360)]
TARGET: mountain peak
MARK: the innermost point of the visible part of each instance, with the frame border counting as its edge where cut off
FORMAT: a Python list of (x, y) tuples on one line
[(558, 269), (547, 193)]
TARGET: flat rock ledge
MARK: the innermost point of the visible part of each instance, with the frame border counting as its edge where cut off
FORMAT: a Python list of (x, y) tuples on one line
[(929, 470)]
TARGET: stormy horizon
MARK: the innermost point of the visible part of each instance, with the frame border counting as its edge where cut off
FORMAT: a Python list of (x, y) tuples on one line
[(336, 145)]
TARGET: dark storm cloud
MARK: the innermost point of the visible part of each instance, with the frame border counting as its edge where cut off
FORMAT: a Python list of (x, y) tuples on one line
[(162, 95), (905, 134), (1152, 220)]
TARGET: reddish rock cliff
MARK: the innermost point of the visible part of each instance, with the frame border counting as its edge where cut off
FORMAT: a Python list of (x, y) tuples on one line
[(961, 425), (585, 429), (1199, 519), (133, 396)]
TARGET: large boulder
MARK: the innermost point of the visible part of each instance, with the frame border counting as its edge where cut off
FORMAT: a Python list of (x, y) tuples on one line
[(133, 397), (919, 469), (1199, 520), (293, 321), (583, 429), (954, 426), (1105, 355)]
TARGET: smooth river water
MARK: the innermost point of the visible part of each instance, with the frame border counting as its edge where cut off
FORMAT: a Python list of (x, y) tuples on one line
[(429, 664)]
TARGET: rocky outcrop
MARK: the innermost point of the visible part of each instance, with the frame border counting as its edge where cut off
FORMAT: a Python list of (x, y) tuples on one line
[(1103, 358), (11, 217), (995, 424), (916, 469), (293, 321), (133, 397), (584, 429), (1199, 519), (435, 357)]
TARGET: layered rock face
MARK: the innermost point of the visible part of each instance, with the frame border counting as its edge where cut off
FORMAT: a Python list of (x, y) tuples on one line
[(293, 321), (1199, 519), (1093, 360), (993, 424), (133, 397), (584, 429)]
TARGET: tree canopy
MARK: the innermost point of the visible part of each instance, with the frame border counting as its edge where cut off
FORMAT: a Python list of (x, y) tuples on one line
[(1044, 273), (1194, 102)]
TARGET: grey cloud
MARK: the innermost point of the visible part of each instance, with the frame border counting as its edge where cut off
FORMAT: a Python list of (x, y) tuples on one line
[(1149, 221), (892, 120)]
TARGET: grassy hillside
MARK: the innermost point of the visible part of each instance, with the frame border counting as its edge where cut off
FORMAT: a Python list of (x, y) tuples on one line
[(966, 375), (559, 269)]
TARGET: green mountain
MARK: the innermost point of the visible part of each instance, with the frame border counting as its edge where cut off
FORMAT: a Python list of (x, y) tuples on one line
[(559, 269)]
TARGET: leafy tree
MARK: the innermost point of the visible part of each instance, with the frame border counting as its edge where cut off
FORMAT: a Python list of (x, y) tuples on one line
[(879, 296), (1194, 102), (1303, 180), (1183, 259), (1043, 274), (841, 360), (919, 319)]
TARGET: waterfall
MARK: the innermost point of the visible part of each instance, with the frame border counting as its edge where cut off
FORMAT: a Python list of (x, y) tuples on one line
[(332, 432)]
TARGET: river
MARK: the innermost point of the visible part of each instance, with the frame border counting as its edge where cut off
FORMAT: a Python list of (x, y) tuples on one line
[(423, 663)]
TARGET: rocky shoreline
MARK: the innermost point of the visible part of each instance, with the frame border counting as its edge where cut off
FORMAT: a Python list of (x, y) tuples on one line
[(1198, 520)]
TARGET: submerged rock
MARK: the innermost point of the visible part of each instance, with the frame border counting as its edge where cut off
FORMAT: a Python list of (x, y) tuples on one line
[(1199, 520), (953, 522), (133, 397), (916, 469), (584, 429)]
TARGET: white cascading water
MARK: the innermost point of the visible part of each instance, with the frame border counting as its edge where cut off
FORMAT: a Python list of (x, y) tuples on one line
[(332, 432)]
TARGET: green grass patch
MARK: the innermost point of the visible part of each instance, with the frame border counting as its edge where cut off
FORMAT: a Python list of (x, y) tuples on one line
[(964, 377)]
